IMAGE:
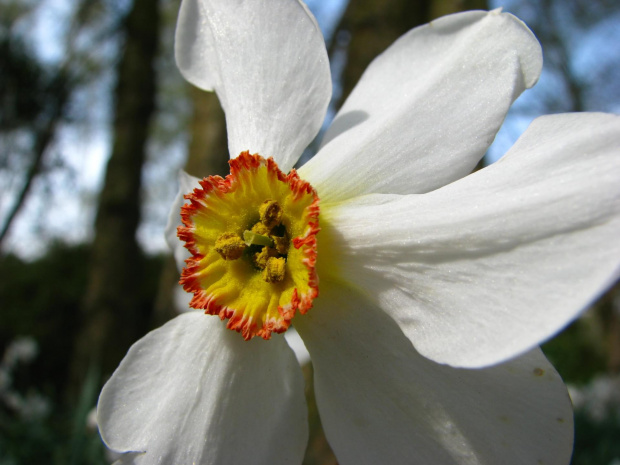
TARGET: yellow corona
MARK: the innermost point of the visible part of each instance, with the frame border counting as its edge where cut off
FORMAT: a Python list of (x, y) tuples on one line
[(252, 236)]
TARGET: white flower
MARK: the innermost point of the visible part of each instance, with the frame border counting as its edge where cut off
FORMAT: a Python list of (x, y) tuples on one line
[(23, 349), (418, 261)]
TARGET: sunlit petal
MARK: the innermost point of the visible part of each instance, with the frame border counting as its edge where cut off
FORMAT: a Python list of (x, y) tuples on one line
[(491, 265), (187, 184), (426, 110), (268, 65), (194, 392), (381, 402)]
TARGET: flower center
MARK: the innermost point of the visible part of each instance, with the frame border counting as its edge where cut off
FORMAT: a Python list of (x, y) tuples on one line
[(252, 237)]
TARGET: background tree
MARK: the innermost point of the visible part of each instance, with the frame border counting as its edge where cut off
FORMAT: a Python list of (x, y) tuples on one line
[(111, 316), (35, 98), (207, 154)]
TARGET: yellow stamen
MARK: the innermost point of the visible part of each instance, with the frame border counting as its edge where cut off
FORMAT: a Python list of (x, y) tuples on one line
[(261, 258), (260, 228), (270, 213), (274, 271), (281, 244), (229, 246)]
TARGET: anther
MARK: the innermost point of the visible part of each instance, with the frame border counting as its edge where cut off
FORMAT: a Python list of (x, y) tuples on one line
[(274, 271), (270, 213), (260, 228), (261, 258), (281, 244), (229, 246)]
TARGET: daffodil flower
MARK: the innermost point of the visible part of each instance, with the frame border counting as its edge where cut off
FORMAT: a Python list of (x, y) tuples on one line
[(421, 291)]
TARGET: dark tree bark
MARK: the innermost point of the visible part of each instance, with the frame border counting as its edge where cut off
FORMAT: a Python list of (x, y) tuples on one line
[(207, 155), (112, 319), (208, 147), (43, 138), (33, 99)]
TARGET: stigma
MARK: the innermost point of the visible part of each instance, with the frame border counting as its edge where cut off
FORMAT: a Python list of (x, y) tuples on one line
[(252, 239)]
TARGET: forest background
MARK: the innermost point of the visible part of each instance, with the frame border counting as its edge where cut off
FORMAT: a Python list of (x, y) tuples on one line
[(96, 121)]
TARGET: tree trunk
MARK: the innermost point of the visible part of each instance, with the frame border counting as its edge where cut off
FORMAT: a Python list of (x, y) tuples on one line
[(43, 137), (111, 303), (207, 155), (208, 147)]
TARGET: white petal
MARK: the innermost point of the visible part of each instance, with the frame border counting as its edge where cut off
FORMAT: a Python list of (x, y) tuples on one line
[(181, 299), (268, 65), (297, 345), (425, 111), (195, 392), (187, 184), (381, 402), (490, 266)]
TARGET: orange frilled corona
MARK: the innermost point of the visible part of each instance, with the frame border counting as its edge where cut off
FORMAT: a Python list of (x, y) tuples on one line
[(252, 236)]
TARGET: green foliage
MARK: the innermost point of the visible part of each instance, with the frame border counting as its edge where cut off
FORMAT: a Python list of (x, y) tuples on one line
[(42, 299), (578, 352), (596, 442), (47, 441)]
